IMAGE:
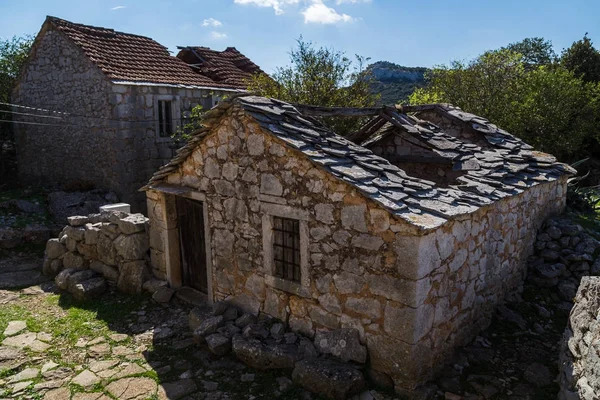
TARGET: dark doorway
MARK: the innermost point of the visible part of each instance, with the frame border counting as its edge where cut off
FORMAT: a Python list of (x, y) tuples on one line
[(191, 243)]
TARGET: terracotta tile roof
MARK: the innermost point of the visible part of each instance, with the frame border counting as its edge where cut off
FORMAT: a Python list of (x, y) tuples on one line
[(228, 66), (127, 57), (506, 168)]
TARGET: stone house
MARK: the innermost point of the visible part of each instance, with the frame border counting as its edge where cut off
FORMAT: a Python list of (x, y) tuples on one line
[(120, 97), (268, 209)]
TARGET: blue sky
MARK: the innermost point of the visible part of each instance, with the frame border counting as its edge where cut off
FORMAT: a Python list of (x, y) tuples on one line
[(412, 33)]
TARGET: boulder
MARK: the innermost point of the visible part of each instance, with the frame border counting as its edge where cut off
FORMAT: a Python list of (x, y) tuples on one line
[(131, 277), (208, 326), (153, 284), (229, 330), (74, 260), (331, 379), (132, 247), (218, 344), (55, 249), (77, 220), (51, 268), (195, 318), (106, 250), (342, 343), (245, 320), (89, 289), (133, 223), (257, 331), (264, 356), (62, 279), (79, 277), (163, 295)]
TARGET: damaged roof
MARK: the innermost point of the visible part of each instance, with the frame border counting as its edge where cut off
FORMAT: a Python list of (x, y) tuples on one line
[(228, 66), (132, 58), (506, 168)]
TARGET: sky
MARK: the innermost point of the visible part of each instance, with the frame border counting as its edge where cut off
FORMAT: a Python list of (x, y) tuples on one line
[(410, 33)]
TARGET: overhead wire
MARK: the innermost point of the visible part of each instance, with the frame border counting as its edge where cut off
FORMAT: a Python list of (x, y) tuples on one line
[(83, 116)]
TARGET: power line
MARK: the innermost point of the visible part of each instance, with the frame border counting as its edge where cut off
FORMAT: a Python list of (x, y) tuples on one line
[(87, 116), (34, 115), (31, 108)]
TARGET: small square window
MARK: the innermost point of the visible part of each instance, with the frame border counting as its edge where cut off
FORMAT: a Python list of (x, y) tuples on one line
[(165, 118), (286, 248)]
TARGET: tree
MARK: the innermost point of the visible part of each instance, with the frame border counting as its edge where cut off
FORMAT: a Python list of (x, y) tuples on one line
[(323, 77), (547, 106), (583, 59), (13, 54), (486, 86), (535, 51)]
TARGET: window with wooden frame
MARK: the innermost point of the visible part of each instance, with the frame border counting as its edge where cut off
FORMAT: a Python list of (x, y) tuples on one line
[(286, 248), (165, 118)]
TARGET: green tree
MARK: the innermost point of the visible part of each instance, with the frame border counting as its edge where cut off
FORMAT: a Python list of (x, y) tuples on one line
[(535, 51), (583, 59), (485, 86), (13, 54), (547, 106), (322, 77)]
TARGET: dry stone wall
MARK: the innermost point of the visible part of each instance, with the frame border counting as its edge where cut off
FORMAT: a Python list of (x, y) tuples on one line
[(409, 294), (108, 247), (58, 77), (579, 361)]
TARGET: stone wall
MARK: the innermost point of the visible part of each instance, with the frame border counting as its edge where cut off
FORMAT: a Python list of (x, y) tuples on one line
[(426, 164), (59, 77), (109, 140), (410, 294), (112, 246), (579, 357), (139, 150)]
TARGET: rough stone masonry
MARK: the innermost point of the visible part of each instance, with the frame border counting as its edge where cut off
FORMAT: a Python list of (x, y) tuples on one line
[(412, 293)]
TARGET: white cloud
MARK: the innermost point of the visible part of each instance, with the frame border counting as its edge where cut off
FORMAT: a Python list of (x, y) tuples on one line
[(211, 22), (319, 13), (117, 8), (352, 1), (277, 5), (218, 35)]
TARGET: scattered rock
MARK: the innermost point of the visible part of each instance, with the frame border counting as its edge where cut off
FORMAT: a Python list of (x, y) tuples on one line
[(163, 294), (329, 378), (342, 343), (15, 327), (218, 344), (264, 356)]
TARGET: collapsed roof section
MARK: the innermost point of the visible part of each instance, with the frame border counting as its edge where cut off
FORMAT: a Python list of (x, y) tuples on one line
[(507, 168)]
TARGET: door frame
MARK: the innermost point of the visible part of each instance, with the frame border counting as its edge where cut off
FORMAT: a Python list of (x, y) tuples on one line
[(173, 256)]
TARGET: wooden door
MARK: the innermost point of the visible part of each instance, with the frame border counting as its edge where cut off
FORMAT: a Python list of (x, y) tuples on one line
[(191, 243)]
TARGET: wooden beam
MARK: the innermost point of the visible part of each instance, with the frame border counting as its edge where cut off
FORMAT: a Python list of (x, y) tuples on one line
[(417, 159), (317, 111), (367, 130)]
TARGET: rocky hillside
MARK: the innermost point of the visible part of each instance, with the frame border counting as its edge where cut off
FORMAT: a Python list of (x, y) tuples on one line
[(395, 82)]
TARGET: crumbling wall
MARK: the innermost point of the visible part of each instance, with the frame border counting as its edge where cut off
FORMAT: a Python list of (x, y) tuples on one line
[(579, 362), (112, 246)]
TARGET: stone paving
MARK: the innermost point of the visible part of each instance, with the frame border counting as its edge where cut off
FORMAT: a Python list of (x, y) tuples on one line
[(148, 354)]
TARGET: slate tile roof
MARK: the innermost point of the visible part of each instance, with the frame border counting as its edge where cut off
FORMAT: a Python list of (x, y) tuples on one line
[(508, 168), (228, 67), (131, 58)]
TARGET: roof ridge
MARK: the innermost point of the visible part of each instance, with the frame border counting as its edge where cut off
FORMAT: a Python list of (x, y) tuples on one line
[(79, 25)]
